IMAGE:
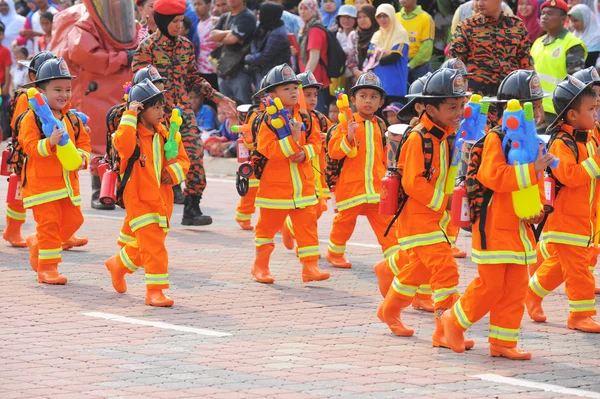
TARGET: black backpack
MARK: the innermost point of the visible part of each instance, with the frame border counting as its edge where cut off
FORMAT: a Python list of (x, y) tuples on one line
[(336, 57)]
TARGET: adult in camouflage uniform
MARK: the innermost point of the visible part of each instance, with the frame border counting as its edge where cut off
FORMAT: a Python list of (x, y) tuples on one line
[(174, 58)]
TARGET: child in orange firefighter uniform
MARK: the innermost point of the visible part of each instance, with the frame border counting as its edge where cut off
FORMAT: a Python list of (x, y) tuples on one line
[(360, 145), (423, 221), (287, 184), (311, 89), (15, 213), (148, 194), (504, 245), (49, 190), (568, 232)]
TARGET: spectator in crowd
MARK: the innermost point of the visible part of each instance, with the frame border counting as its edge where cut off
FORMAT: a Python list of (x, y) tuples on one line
[(12, 21), (333, 113), (361, 38), (329, 10), (33, 28), (390, 113), (45, 41), (346, 20), (528, 12), (205, 25), (421, 33), (147, 18), (573, 3), (392, 40), (220, 7), (359, 3), (557, 53), (585, 27), (206, 117), (19, 73), (469, 9), (5, 63), (186, 26), (270, 44), (292, 22), (313, 49), (234, 31), (192, 33)]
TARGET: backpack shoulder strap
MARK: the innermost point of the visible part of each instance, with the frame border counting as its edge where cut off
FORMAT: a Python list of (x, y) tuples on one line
[(569, 142), (75, 123), (382, 129), (128, 169), (307, 120)]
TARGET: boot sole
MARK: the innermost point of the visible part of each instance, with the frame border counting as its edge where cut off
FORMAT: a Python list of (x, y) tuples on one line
[(494, 353), (572, 327), (166, 305), (188, 222), (309, 279)]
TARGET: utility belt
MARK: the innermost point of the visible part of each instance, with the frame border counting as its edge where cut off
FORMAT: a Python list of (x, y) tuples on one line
[(485, 89)]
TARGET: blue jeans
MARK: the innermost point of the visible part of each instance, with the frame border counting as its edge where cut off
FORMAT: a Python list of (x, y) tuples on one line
[(237, 88)]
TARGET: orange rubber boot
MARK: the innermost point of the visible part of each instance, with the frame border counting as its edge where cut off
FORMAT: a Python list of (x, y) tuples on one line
[(288, 238), (338, 261), (32, 243), (389, 312), (49, 274), (74, 241), (246, 224), (454, 337), (534, 307), (510, 353), (385, 276), (585, 324), (260, 269), (155, 297), (438, 339), (12, 233), (423, 303), (117, 274), (458, 253), (310, 272)]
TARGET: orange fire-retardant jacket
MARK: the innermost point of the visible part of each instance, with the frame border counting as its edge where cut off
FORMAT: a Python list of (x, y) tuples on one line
[(508, 239), (285, 184), (46, 179), (424, 219), (319, 162), (360, 177), (249, 144), (21, 105), (571, 222), (146, 199)]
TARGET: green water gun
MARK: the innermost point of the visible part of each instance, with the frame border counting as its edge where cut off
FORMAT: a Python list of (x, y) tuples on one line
[(172, 144)]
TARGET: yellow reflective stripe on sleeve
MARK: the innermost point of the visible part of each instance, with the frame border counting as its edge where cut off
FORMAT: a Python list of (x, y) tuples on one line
[(253, 182), (129, 120), (403, 289), (263, 241), (178, 172), (560, 237), (461, 316), (424, 289), (437, 200), (85, 154), (242, 216), (523, 178), (286, 146), (536, 287), (157, 279), (418, 240), (591, 167), (296, 180), (586, 305), (345, 146), (369, 159), (157, 157), (391, 251), (336, 249), (42, 147), (127, 261), (43, 198), (21, 216), (310, 151), (48, 254), (443, 293), (304, 252), (391, 261), (504, 334), (148, 218), (124, 238)]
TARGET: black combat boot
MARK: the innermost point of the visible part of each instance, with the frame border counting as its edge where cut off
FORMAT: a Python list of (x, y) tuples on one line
[(96, 204), (178, 197), (192, 215)]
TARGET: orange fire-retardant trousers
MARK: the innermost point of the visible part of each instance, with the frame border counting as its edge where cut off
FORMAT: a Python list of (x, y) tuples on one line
[(452, 233), (397, 262), (321, 207), (246, 207), (499, 290), (542, 254), (570, 264), (433, 264), (56, 222), (345, 221), (147, 250), (16, 213), (305, 227)]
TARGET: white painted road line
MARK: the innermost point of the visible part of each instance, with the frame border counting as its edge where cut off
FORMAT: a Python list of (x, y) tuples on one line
[(538, 385), (157, 324)]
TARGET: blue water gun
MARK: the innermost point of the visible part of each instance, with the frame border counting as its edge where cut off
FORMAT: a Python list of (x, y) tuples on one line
[(84, 118), (472, 128), (280, 118)]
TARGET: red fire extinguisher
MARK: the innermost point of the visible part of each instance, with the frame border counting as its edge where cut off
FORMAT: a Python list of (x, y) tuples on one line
[(108, 188), (102, 169), (243, 155), (460, 215), (14, 196), (390, 184), (549, 188), (4, 166), (333, 201)]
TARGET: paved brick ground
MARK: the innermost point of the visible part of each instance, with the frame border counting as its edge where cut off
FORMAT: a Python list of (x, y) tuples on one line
[(287, 340)]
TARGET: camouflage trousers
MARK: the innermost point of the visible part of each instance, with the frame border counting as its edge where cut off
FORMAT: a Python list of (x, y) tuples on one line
[(195, 180)]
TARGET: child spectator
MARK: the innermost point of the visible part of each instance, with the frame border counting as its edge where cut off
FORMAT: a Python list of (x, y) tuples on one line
[(45, 41), (333, 112), (206, 117), (390, 113), (5, 63), (187, 25), (19, 73)]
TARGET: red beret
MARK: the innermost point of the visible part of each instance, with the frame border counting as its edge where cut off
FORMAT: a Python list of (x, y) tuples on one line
[(170, 7), (560, 4)]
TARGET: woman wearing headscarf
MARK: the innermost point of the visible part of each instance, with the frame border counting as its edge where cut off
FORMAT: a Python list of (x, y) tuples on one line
[(12, 21), (391, 40), (329, 10), (313, 49), (527, 10), (361, 38), (585, 27), (270, 44)]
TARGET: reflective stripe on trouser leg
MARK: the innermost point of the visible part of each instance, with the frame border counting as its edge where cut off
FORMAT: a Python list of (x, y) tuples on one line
[(305, 222), (509, 335), (268, 224), (153, 255), (128, 256), (16, 213), (404, 289), (460, 315), (246, 207), (342, 229)]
